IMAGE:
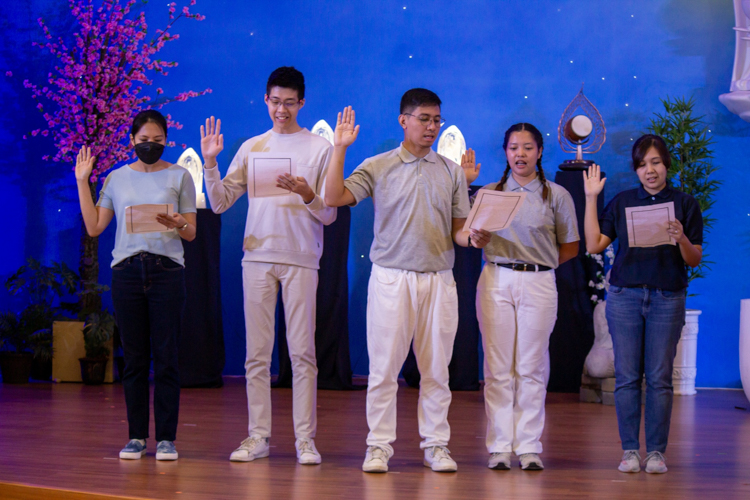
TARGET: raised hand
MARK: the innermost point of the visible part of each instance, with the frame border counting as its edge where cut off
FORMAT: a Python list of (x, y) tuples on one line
[(212, 141), (470, 166), (592, 181), (84, 164), (345, 133)]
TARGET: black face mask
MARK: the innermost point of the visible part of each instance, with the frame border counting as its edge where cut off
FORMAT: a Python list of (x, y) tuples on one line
[(149, 152)]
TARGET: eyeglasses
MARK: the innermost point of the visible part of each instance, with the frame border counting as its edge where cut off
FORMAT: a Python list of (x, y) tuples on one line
[(287, 104), (425, 120)]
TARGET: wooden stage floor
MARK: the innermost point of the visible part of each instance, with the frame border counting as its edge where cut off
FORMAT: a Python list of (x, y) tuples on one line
[(62, 440)]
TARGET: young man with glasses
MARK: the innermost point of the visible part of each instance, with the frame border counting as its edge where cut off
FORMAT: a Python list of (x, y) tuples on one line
[(421, 202), (283, 243)]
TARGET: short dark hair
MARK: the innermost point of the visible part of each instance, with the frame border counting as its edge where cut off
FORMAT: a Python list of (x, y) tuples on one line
[(646, 142), (289, 78), (415, 98), (146, 116)]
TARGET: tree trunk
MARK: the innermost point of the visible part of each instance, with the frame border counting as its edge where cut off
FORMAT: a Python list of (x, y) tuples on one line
[(88, 266)]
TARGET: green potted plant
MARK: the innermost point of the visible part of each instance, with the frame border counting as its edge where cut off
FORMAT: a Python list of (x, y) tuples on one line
[(25, 336), (97, 332), (692, 172)]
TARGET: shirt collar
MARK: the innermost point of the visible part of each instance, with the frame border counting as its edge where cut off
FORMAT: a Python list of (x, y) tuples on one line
[(515, 186), (664, 193), (407, 157)]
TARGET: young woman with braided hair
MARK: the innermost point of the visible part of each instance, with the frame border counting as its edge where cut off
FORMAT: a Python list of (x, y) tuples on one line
[(517, 301)]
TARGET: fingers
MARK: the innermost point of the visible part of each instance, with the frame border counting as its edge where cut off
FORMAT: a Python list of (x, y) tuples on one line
[(218, 127), (479, 166), (338, 120)]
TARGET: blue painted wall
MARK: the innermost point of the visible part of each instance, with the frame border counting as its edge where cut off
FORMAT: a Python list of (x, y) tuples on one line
[(492, 63)]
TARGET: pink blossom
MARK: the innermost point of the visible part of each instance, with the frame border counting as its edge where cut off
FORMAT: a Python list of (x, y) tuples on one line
[(8, 73)]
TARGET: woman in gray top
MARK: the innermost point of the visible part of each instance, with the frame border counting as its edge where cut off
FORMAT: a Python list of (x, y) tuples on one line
[(517, 301), (148, 285)]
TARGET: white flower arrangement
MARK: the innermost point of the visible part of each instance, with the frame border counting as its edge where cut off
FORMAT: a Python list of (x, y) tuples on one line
[(602, 273)]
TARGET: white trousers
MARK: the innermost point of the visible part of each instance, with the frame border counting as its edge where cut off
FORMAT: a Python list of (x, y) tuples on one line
[(260, 283), (517, 311), (406, 306)]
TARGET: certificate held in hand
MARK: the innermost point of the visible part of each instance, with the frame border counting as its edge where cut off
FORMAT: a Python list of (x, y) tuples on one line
[(142, 218), (263, 171), (494, 210), (648, 226)]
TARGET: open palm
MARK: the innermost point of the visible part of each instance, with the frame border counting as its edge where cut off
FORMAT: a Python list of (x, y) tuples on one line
[(84, 164), (346, 132), (592, 181), (212, 141), (470, 166)]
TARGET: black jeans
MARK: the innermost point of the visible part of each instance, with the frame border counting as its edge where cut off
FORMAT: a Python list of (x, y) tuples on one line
[(148, 292)]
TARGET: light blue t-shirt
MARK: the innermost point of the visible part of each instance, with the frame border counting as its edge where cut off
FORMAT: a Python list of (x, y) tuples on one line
[(126, 187)]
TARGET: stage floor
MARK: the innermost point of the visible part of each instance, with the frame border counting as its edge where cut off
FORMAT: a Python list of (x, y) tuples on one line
[(62, 441)]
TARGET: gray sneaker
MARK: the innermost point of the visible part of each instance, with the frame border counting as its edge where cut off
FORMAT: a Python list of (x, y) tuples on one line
[(134, 450), (499, 461), (376, 460), (165, 450), (656, 463), (530, 461), (250, 449), (631, 461)]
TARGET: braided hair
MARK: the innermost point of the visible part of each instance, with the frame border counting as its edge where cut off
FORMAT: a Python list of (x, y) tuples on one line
[(519, 127)]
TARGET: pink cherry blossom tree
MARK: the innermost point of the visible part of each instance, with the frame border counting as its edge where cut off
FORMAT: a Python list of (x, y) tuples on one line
[(104, 71)]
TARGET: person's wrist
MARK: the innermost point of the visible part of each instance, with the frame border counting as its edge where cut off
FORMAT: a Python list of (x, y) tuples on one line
[(183, 227), (209, 162)]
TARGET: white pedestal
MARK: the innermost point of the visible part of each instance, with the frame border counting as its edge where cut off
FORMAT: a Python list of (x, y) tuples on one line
[(745, 345), (685, 370)]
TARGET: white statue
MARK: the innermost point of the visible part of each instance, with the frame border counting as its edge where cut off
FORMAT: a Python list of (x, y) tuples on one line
[(738, 99), (324, 130), (600, 362), (452, 144), (190, 161)]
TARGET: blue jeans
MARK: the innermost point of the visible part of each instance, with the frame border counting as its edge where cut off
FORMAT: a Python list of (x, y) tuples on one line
[(645, 324), (148, 292)]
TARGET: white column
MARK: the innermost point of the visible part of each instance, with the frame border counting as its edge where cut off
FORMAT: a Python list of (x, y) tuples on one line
[(685, 370), (745, 345)]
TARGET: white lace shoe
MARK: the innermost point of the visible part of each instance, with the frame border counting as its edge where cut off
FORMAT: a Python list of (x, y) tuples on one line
[(438, 459), (250, 449), (307, 454), (376, 460), (531, 461), (631, 461), (499, 461), (656, 463)]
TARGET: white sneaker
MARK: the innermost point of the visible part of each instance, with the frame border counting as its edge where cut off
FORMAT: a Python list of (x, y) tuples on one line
[(438, 459), (307, 454), (376, 460), (499, 461), (250, 449), (631, 461), (656, 463), (530, 461)]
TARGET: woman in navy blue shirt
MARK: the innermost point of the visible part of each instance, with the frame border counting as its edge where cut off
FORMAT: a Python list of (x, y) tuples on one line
[(646, 298)]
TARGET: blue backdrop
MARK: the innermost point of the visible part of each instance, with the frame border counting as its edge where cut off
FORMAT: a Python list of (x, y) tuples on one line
[(492, 63)]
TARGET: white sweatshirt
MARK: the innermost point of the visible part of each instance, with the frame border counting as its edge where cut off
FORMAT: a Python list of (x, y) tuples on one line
[(279, 229)]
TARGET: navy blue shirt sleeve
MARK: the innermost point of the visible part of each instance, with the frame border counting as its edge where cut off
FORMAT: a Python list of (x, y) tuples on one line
[(608, 219), (692, 225)]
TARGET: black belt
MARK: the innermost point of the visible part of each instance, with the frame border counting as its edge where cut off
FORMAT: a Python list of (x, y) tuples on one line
[(524, 267)]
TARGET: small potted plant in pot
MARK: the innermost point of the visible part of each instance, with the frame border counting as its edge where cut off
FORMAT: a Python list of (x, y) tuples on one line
[(22, 336), (97, 332), (25, 337)]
